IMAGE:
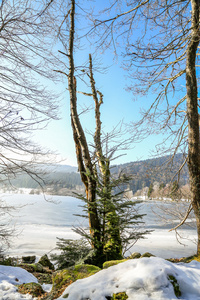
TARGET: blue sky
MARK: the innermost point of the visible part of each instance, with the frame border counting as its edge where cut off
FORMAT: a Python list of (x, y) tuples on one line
[(118, 105)]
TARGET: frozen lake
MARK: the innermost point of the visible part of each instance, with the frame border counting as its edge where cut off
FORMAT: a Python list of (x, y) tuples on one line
[(38, 223)]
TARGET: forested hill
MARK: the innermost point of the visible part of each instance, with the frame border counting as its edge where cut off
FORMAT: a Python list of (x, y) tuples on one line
[(62, 179), (161, 170), (54, 178)]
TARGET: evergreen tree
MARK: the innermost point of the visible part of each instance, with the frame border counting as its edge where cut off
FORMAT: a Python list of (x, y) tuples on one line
[(72, 252), (119, 220), (150, 190)]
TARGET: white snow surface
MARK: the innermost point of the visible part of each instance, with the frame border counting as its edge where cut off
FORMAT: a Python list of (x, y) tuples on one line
[(9, 278), (141, 279)]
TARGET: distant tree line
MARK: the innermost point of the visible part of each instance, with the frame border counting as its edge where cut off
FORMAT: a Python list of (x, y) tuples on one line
[(144, 174), (55, 180)]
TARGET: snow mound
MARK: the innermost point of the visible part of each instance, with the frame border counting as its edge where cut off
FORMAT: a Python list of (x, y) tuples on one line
[(11, 276), (141, 279)]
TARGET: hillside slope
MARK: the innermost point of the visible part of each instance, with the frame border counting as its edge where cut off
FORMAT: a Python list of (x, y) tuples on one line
[(62, 179)]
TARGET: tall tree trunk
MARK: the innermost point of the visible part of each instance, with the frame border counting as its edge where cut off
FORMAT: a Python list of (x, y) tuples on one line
[(82, 151), (112, 243), (192, 114)]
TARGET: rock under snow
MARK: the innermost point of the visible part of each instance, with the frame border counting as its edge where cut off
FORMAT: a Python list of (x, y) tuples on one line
[(141, 279)]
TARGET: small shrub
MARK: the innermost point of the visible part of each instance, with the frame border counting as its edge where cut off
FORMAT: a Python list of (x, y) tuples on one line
[(72, 252), (6, 261)]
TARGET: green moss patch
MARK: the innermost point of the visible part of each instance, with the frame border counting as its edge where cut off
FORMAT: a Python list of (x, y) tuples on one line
[(147, 254), (119, 296), (111, 263), (134, 255), (86, 269), (185, 259), (190, 258), (61, 279), (43, 278), (175, 284), (31, 288), (31, 268)]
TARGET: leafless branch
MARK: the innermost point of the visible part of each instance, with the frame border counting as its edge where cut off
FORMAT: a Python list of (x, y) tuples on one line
[(184, 219)]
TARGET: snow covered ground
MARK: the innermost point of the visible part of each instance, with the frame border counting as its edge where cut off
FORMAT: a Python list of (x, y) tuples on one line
[(141, 279), (41, 239), (10, 277)]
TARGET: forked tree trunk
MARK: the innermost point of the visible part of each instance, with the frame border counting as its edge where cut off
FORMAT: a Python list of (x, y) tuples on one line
[(193, 119), (82, 151)]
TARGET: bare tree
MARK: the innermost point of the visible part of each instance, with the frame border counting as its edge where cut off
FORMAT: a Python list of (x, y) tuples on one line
[(192, 115), (161, 41), (6, 232), (84, 160), (26, 62), (26, 69)]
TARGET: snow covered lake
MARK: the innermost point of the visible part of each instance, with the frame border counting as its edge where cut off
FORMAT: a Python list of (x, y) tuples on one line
[(38, 223)]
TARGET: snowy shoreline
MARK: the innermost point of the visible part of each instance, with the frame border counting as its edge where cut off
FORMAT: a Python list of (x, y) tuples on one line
[(41, 239), (39, 222)]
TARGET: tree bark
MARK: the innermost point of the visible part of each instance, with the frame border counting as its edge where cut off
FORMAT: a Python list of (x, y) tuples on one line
[(192, 115), (111, 240), (82, 151)]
